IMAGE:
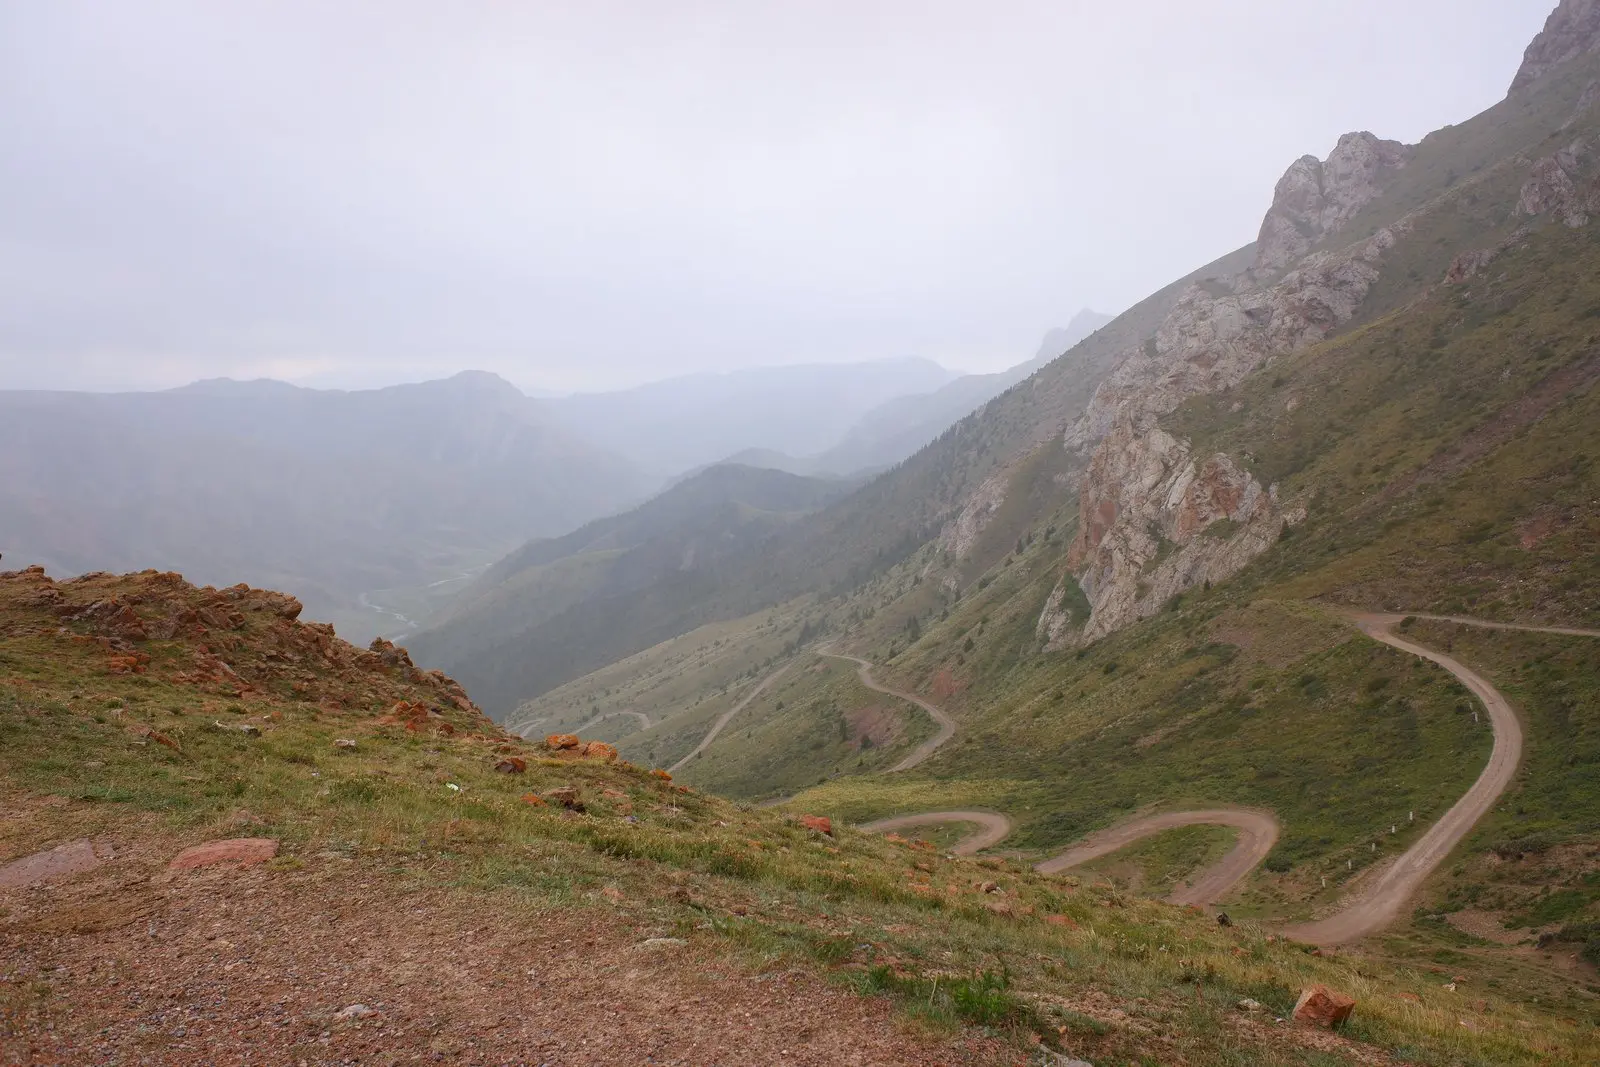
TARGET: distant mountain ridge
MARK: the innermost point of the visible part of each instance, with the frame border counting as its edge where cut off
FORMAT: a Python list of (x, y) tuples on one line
[(680, 424), (327, 494), (895, 429)]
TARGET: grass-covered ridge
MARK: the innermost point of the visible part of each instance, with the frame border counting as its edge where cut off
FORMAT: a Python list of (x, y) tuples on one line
[(90, 744)]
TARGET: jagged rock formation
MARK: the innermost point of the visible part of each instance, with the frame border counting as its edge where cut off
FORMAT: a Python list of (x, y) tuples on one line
[(1156, 519), (1315, 198), (1149, 508), (1556, 186), (1572, 30)]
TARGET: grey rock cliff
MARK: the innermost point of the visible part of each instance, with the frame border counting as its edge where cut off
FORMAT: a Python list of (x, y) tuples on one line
[(1572, 30), (1315, 198), (1149, 509)]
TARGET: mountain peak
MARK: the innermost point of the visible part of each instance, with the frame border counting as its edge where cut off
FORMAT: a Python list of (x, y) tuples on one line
[(481, 381), (1572, 30), (1059, 340), (236, 387)]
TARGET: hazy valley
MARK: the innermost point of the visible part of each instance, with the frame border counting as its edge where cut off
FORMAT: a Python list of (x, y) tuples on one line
[(1220, 685)]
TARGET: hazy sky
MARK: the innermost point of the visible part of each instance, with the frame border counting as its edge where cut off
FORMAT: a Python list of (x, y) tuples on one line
[(594, 194)]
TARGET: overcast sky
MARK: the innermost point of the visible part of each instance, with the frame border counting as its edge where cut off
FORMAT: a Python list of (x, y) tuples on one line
[(584, 195)]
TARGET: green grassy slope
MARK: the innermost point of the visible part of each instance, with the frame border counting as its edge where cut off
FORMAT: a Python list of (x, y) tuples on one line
[(556, 609), (524, 629), (83, 751)]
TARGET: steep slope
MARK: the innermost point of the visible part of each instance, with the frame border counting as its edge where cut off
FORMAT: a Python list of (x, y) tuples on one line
[(1148, 498), (836, 547), (200, 863), (329, 494), (1390, 405), (565, 605), (677, 425), (1573, 30)]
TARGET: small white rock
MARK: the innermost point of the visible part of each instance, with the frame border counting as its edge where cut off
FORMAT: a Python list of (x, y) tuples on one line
[(354, 1011)]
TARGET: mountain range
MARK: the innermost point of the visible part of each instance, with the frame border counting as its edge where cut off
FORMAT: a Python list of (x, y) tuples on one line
[(1217, 688)]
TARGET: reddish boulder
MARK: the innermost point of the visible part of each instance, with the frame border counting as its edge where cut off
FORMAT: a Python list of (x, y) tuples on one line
[(661, 774), (558, 742), (599, 750), (241, 850), (133, 663), (1061, 920), (512, 765), (820, 823), (1321, 1006)]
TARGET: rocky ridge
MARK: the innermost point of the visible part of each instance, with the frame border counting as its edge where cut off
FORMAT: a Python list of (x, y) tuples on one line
[(231, 643), (1156, 519), (1315, 198), (1572, 30), (1145, 499)]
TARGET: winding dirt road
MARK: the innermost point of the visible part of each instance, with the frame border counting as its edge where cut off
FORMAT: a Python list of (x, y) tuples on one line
[(1485, 624), (644, 720), (1258, 832), (1371, 908), (1376, 906), (726, 717), (947, 725), (992, 828)]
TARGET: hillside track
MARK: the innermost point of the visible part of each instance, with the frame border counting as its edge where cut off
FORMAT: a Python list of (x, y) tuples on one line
[(1379, 903), (947, 725), (1568, 631), (1369, 909), (727, 717), (1258, 832), (644, 720), (992, 828)]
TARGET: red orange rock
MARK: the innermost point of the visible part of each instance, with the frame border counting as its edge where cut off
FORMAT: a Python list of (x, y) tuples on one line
[(1321, 1006), (241, 850), (820, 823)]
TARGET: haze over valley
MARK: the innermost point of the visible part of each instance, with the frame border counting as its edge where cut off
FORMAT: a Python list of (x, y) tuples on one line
[(619, 535)]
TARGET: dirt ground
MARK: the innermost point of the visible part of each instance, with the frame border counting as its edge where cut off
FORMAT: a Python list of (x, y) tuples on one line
[(328, 963)]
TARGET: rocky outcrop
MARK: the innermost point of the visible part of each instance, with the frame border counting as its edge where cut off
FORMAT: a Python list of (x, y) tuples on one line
[(1557, 186), (1150, 510), (1150, 524), (1315, 198), (230, 642), (1572, 30), (960, 534)]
